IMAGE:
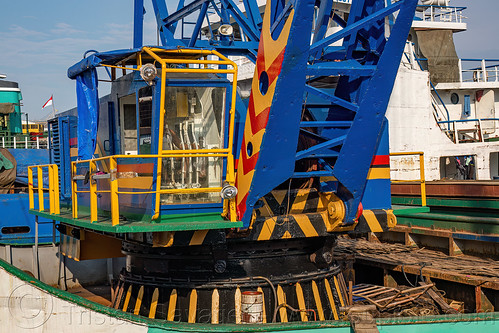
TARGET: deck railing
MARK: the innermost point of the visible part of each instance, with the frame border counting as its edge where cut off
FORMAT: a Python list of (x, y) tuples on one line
[(13, 142), (479, 70), (475, 133), (421, 179), (52, 189), (440, 14), (112, 175)]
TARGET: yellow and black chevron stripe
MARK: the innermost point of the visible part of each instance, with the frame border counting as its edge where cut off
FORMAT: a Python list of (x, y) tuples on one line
[(188, 238), (375, 220), (302, 201), (284, 214), (290, 226)]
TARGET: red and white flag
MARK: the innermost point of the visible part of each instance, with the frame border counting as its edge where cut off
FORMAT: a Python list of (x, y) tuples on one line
[(48, 103)]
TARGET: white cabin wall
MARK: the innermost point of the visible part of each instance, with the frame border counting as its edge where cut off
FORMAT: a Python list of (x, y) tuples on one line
[(413, 128)]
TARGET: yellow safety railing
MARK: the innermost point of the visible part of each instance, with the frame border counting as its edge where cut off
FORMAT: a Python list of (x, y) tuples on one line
[(421, 173), (53, 188), (113, 176)]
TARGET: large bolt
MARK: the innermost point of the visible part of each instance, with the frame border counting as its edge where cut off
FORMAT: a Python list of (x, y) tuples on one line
[(328, 257), (220, 266)]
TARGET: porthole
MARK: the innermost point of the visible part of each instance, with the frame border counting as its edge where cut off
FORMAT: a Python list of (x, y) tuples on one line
[(264, 83), (454, 98)]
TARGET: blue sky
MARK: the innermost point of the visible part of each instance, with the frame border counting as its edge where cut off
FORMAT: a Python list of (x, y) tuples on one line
[(40, 39)]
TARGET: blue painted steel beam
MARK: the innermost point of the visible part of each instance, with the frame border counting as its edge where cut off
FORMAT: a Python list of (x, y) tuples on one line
[(337, 124), (235, 48), (183, 12), (359, 147), (347, 68), (161, 12), (138, 23), (322, 20), (327, 144), (312, 135), (275, 163), (199, 23), (173, 26), (312, 174), (361, 24), (284, 14), (252, 32), (334, 99), (253, 12)]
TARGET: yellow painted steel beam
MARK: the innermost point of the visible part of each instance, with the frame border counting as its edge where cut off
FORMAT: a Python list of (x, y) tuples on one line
[(93, 193), (338, 290), (215, 306), (162, 113), (331, 299), (193, 304), (407, 153), (115, 205), (318, 302), (154, 304), (237, 305), (172, 305), (51, 189), (30, 188), (39, 173), (281, 300), (138, 301), (74, 189), (118, 297), (177, 191), (198, 237), (127, 298), (56, 190), (301, 302), (423, 181)]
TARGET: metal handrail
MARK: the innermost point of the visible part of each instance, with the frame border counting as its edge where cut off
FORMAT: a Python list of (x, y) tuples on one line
[(433, 13), (480, 73), (53, 188), (477, 130), (421, 173), (23, 142), (113, 176)]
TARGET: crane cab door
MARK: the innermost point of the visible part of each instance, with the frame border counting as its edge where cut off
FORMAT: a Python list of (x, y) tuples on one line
[(128, 125)]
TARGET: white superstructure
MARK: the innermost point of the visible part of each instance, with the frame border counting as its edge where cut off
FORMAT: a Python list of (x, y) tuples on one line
[(454, 122)]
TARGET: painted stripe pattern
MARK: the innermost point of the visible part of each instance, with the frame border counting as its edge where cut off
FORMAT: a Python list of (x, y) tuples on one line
[(380, 167), (268, 67)]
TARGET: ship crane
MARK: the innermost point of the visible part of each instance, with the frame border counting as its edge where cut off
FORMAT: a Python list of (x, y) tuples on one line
[(209, 195)]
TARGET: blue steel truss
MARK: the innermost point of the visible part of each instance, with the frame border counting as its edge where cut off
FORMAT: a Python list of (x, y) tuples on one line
[(183, 27), (348, 77)]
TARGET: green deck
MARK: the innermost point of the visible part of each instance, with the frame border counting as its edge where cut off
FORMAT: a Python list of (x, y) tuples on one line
[(173, 222)]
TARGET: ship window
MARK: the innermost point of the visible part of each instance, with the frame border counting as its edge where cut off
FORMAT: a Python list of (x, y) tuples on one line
[(458, 167), (454, 98), (193, 120)]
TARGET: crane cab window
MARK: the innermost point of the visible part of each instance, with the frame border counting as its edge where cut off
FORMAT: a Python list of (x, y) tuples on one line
[(194, 119)]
